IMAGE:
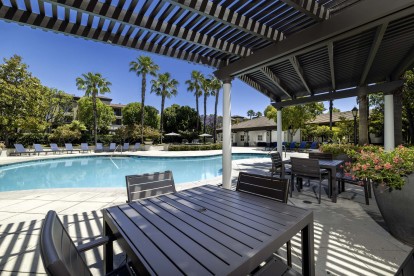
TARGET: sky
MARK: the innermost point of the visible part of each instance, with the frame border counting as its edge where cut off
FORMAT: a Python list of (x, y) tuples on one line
[(57, 60)]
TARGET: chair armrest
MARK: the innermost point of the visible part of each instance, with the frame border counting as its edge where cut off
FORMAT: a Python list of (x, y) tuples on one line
[(90, 245)]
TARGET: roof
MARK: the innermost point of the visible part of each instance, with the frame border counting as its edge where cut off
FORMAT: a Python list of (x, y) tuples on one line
[(117, 105), (336, 117), (285, 49), (259, 123)]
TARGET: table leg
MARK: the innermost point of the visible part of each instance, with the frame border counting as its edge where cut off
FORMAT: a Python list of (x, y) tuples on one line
[(308, 258), (333, 184), (108, 250)]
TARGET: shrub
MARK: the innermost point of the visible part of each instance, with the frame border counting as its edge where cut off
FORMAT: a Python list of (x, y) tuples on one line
[(194, 147), (28, 139), (106, 139)]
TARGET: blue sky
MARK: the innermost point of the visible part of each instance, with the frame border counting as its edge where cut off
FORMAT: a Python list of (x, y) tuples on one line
[(57, 60)]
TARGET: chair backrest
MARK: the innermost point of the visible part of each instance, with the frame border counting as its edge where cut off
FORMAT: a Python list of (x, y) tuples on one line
[(149, 185), (321, 155), (37, 147), (69, 146), (314, 145), (264, 186), (137, 146), (292, 145), (302, 145), (84, 146), (54, 147), (305, 167), (59, 254), (112, 146), (276, 160), (19, 148), (126, 146), (99, 146)]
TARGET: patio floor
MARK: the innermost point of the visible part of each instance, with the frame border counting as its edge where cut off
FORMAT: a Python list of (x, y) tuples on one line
[(349, 236)]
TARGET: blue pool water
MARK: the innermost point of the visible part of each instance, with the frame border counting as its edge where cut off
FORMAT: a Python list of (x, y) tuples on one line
[(100, 171)]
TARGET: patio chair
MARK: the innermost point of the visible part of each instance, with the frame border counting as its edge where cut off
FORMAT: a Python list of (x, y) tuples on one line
[(302, 146), (292, 146), (54, 148), (277, 165), (137, 146), (69, 148), (112, 147), (39, 149), (149, 185), (85, 147), (59, 254), (321, 155), (268, 187), (99, 147), (20, 149), (125, 147), (307, 168), (313, 146)]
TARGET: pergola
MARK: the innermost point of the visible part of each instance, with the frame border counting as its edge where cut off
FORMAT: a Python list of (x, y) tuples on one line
[(293, 51)]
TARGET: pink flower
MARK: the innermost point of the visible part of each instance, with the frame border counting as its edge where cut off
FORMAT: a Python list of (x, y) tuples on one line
[(364, 167), (387, 166), (378, 167), (396, 159)]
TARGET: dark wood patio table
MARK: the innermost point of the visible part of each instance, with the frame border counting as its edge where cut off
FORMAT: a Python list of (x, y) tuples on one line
[(332, 166), (205, 231)]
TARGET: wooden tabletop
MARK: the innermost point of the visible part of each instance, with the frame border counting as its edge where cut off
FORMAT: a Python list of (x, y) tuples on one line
[(206, 231)]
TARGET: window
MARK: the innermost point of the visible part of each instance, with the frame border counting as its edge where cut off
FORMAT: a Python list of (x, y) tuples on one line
[(242, 138), (259, 137)]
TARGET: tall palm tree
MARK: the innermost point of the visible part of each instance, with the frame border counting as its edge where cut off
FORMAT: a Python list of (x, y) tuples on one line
[(142, 66), (165, 87), (216, 85), (93, 84), (194, 85), (206, 87)]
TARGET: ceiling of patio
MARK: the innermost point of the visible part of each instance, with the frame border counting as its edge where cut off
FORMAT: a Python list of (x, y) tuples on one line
[(286, 49)]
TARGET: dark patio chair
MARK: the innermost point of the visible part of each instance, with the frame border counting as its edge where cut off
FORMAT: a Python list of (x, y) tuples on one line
[(307, 168), (20, 149), (268, 187), (59, 254), (54, 148), (149, 185), (321, 155), (277, 165)]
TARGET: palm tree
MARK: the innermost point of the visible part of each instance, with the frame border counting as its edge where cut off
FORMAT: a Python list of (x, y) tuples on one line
[(165, 87), (194, 85), (216, 85), (258, 114), (250, 113), (93, 84), (142, 66), (206, 87)]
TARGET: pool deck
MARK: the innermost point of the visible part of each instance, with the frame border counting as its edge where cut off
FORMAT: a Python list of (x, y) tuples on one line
[(349, 235)]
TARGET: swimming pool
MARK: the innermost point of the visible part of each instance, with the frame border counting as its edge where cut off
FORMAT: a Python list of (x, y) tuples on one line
[(105, 171)]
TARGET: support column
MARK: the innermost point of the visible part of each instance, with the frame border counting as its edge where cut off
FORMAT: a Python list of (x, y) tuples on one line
[(279, 131), (227, 166), (389, 142)]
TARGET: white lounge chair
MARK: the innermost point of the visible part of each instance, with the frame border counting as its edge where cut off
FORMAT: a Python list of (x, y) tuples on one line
[(125, 147), (20, 149), (39, 149), (54, 148), (85, 147), (137, 146), (98, 147), (69, 148)]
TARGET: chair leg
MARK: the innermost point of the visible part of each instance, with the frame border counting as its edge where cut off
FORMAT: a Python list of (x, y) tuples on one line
[(369, 188), (292, 185), (289, 254), (320, 189), (366, 192)]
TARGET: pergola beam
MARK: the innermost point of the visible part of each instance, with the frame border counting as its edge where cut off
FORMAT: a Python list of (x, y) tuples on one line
[(383, 87), (309, 7), (404, 64), (275, 80), (379, 35), (295, 63), (258, 87), (332, 65), (230, 18)]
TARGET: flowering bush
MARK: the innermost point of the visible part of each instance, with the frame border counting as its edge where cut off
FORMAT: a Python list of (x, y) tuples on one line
[(383, 167)]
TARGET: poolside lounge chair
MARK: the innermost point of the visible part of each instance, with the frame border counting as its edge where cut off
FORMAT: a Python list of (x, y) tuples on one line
[(302, 146), (69, 148), (292, 146), (137, 146), (313, 146), (112, 147), (59, 254), (39, 149), (125, 147), (21, 150), (149, 185), (85, 147), (98, 147), (54, 148)]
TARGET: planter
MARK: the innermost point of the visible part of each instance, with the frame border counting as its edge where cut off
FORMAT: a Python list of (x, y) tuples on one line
[(396, 209)]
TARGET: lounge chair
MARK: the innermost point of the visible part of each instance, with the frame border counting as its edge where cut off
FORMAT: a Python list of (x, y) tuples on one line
[(313, 146), (85, 147), (21, 150), (292, 146), (125, 147), (137, 146), (112, 147), (302, 146), (54, 148), (59, 254), (39, 149), (149, 185), (69, 148), (98, 147)]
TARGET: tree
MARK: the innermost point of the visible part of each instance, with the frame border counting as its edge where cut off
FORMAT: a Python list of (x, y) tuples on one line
[(104, 114), (93, 84), (408, 104), (251, 113), (69, 132), (206, 87), (131, 115), (334, 109), (55, 105), (180, 118), (194, 86), (258, 114), (216, 85), (165, 87), (295, 117), (142, 66)]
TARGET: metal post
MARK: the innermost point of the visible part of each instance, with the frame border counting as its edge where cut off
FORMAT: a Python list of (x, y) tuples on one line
[(389, 139), (227, 166), (279, 132)]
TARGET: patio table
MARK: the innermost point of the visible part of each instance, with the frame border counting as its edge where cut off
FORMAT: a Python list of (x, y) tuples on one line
[(205, 230), (330, 165)]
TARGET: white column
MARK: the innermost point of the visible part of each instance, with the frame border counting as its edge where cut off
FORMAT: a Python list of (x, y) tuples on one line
[(389, 142), (227, 168), (279, 131)]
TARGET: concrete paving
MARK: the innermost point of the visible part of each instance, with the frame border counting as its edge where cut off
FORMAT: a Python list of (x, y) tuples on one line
[(350, 238)]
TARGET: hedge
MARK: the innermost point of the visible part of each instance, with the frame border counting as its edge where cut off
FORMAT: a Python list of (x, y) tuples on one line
[(195, 147)]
